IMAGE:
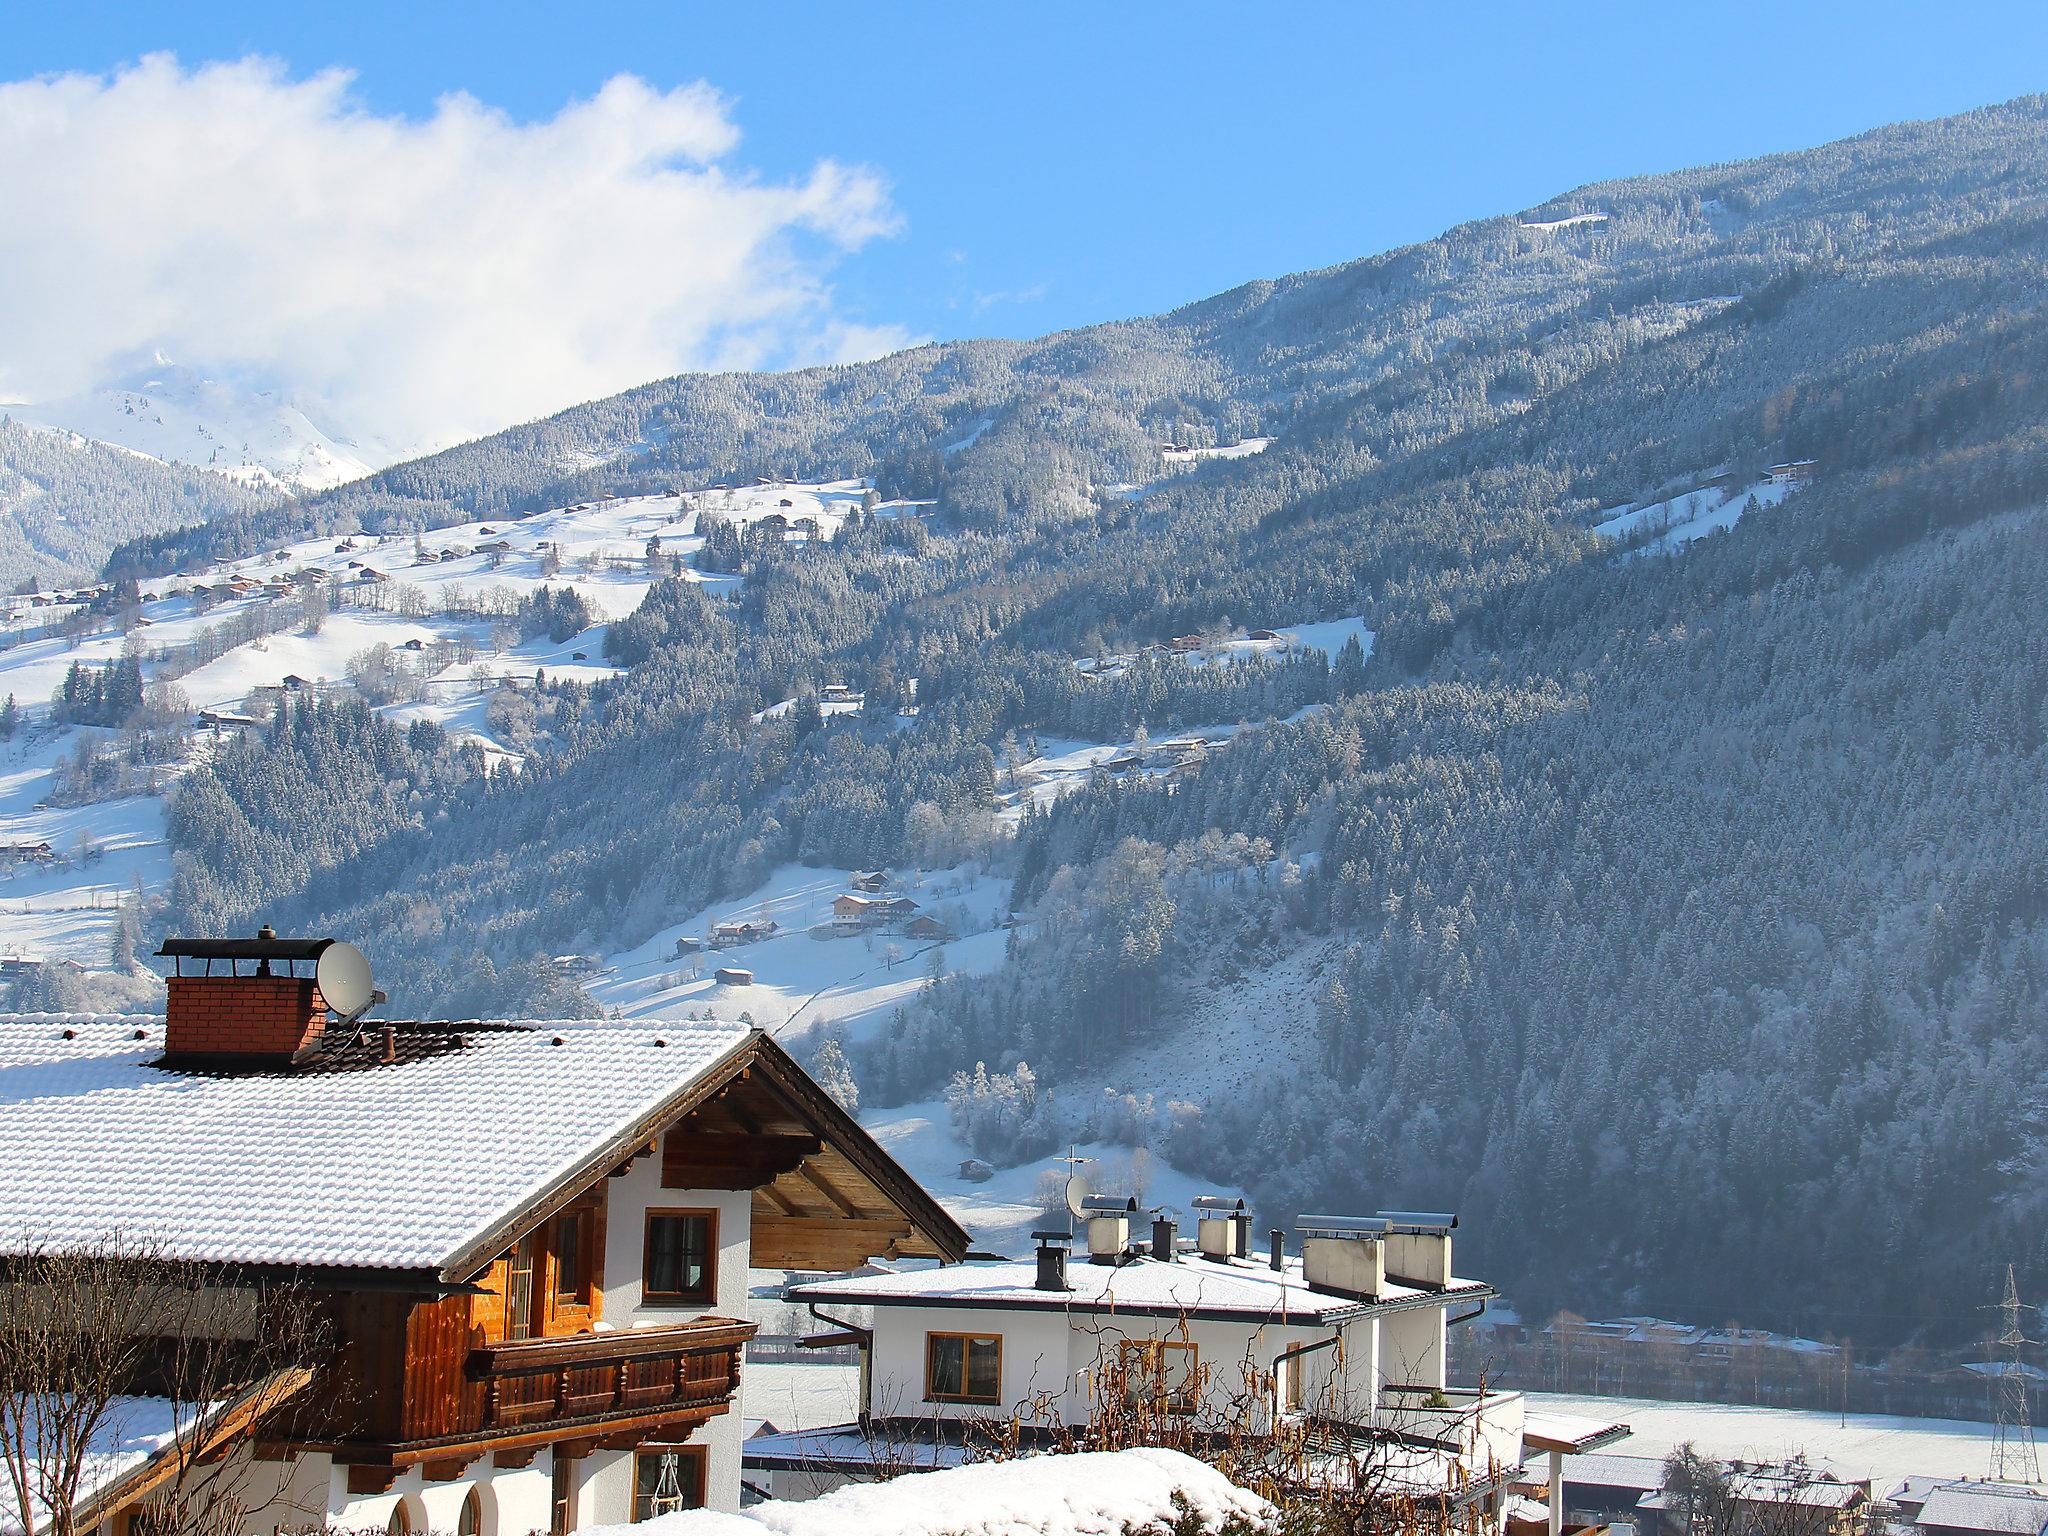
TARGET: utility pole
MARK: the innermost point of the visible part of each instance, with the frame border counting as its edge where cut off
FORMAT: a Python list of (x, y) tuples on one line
[(2013, 1456)]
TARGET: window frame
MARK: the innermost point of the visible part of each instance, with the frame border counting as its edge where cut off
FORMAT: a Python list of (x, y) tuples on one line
[(581, 1220), (931, 1392), (693, 1456), (709, 1294)]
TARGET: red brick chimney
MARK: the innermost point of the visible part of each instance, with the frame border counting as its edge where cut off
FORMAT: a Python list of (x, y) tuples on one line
[(269, 1015)]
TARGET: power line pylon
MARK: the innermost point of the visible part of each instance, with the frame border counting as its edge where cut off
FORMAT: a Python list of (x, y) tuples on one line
[(2014, 1458)]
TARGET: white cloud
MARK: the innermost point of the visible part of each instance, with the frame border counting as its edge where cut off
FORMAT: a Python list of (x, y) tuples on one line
[(420, 280)]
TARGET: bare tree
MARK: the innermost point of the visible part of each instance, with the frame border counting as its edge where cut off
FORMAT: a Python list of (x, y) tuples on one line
[(87, 1332)]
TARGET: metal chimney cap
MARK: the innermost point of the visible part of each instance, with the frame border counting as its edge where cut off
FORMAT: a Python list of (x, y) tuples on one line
[(1341, 1226), (1220, 1205), (1421, 1221), (1110, 1205)]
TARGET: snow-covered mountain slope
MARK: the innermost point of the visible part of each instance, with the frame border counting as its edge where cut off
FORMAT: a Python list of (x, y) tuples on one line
[(180, 416)]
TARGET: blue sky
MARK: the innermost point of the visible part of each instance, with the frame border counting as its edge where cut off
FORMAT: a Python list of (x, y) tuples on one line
[(1054, 165)]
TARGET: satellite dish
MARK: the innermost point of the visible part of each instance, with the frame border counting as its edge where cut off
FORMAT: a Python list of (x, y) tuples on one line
[(343, 976), (1078, 1189)]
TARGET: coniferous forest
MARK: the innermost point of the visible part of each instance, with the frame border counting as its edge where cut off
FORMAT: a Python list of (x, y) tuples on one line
[(1689, 900)]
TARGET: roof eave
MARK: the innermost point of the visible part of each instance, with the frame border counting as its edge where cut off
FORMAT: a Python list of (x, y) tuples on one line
[(750, 1051)]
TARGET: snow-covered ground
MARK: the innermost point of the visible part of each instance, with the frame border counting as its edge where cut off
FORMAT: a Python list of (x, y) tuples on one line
[(803, 1394), (1675, 521), (1857, 1445), (68, 909), (1238, 450), (801, 981), (1061, 765), (1090, 1493), (1328, 636), (1567, 222)]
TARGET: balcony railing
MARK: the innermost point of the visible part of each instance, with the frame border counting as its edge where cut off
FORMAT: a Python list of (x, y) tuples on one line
[(623, 1373)]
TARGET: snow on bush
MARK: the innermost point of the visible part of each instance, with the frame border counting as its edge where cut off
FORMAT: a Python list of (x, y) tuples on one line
[(1092, 1493)]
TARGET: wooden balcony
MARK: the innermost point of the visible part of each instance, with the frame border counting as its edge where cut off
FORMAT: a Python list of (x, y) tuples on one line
[(609, 1380)]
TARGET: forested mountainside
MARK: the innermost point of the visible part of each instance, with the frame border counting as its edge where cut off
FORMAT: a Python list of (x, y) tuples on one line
[(1675, 908), (66, 502)]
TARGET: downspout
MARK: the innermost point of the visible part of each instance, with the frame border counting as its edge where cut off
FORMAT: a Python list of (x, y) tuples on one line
[(1287, 1357), (867, 1355), (1452, 1322)]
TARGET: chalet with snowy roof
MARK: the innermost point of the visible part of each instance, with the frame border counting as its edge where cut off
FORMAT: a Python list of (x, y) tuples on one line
[(1969, 1508), (1346, 1340), (529, 1242)]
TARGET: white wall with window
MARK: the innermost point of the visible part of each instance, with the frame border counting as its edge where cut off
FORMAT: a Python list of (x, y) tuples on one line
[(671, 1255)]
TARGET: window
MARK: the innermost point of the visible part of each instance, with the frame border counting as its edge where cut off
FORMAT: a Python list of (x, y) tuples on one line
[(1162, 1373), (572, 1248), (680, 1256), (562, 1495), (400, 1523), (667, 1478), (471, 1521), (963, 1368)]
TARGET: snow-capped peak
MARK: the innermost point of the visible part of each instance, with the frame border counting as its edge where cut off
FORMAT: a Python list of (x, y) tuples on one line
[(182, 416)]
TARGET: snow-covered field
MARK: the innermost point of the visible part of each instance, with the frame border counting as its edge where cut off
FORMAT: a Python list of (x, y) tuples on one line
[(1328, 636), (1567, 222), (1676, 521), (1856, 1445), (1239, 450), (1061, 765), (68, 909), (802, 981)]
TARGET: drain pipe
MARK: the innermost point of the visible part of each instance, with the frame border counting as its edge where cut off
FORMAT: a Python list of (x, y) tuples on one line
[(866, 1346), (1287, 1357)]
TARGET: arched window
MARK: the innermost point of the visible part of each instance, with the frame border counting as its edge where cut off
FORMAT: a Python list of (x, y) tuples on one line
[(400, 1523), (471, 1521)]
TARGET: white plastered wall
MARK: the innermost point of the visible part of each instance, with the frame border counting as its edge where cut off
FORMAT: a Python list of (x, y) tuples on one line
[(627, 1201), (1037, 1352), (628, 1198), (512, 1501)]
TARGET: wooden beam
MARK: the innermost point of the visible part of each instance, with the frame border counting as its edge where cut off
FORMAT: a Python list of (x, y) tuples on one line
[(774, 1197), (444, 1470), (717, 1160), (824, 1242), (658, 1420), (521, 1457), (730, 1103), (810, 1175), (363, 1479)]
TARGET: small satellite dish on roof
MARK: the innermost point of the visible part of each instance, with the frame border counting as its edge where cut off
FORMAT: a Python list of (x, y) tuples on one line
[(343, 976), (1078, 1190)]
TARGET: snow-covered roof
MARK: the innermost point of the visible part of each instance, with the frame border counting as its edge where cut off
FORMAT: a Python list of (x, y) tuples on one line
[(843, 1446), (1189, 1286), (398, 1166), (132, 1429), (1817, 1491), (1986, 1507), (1597, 1469), (1570, 1434)]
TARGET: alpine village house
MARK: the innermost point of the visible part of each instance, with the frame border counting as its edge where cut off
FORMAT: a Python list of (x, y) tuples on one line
[(529, 1243)]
